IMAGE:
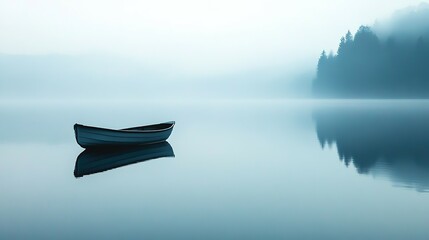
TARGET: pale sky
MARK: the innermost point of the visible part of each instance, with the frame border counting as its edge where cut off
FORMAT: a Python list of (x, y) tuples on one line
[(192, 35)]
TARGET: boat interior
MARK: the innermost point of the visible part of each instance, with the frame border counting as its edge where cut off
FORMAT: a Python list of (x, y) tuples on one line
[(152, 127)]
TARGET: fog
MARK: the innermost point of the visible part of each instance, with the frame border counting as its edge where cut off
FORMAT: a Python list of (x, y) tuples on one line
[(172, 49), (407, 24)]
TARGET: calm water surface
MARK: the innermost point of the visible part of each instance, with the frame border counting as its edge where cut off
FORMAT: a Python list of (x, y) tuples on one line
[(242, 169)]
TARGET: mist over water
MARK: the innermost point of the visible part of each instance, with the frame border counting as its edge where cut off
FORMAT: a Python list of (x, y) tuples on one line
[(252, 154), (115, 77)]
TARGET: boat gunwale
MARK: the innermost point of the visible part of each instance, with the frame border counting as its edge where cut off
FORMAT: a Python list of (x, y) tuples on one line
[(171, 123)]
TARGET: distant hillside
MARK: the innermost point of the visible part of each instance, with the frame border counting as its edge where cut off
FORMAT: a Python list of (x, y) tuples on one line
[(387, 61)]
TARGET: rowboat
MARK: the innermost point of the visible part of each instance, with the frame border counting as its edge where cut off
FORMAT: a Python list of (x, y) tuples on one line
[(87, 136), (95, 160)]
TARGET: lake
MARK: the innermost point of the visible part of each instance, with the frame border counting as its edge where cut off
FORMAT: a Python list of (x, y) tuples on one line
[(242, 169)]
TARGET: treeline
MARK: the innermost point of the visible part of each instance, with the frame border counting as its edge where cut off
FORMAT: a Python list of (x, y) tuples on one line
[(367, 67)]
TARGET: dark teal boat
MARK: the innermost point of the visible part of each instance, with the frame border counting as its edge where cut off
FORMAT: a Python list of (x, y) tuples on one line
[(94, 160), (87, 136)]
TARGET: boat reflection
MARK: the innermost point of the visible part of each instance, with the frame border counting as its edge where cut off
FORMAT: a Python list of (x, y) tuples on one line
[(97, 160), (385, 140)]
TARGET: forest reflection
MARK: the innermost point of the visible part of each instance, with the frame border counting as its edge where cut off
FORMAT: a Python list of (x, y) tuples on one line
[(386, 139)]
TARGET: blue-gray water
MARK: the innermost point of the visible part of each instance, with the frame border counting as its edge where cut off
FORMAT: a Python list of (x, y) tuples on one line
[(242, 169)]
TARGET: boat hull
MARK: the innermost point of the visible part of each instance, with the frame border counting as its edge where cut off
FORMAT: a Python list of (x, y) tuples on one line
[(87, 136)]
